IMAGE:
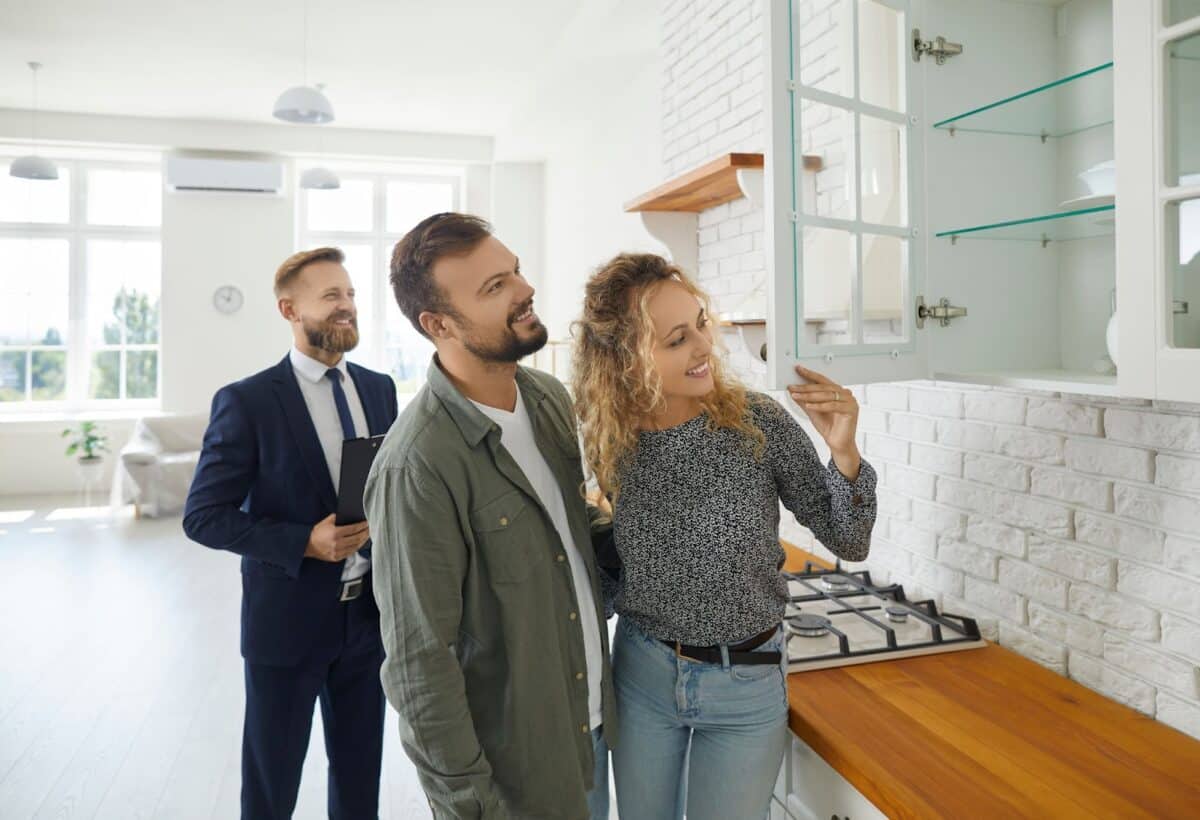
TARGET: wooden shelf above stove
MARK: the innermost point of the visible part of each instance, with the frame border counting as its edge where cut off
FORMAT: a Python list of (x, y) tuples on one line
[(708, 186)]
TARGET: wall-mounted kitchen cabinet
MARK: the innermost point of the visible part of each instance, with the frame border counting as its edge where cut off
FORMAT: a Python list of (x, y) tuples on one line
[(984, 201)]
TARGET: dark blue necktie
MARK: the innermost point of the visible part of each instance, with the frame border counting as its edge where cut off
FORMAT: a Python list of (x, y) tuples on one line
[(343, 406)]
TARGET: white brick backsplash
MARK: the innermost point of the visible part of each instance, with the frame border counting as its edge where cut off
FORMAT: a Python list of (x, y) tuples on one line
[(1135, 620), (1078, 633), (913, 428), (1182, 555), (1034, 583), (886, 447), (994, 598), (1175, 473), (1074, 489), (945, 521), (911, 482), (996, 536), (1159, 588), (1065, 417), (1109, 459), (937, 576), (964, 495), (1174, 512), (1182, 714), (1124, 538), (999, 472), (894, 505), (1026, 511), (872, 420), (1028, 444), (947, 403), (1181, 636), (1051, 654), (970, 559), (967, 435), (1109, 681), (1157, 667), (1004, 408), (1073, 562), (913, 538), (938, 460), (887, 396), (1156, 430)]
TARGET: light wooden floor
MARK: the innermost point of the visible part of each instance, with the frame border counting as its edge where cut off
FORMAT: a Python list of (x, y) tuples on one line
[(121, 683)]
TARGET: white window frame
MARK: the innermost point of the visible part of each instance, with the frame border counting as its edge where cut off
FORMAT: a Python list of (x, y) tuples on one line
[(78, 232), (373, 345)]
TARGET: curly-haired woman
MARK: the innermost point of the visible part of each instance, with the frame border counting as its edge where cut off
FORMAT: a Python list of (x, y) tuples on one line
[(695, 466)]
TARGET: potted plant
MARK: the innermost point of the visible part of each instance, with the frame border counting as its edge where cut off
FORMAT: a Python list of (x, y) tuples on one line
[(88, 442)]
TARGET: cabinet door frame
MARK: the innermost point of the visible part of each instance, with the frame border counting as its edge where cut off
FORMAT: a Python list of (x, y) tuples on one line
[(848, 364), (1177, 369)]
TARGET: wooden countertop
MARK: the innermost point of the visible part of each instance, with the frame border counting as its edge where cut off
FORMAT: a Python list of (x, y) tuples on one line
[(988, 733)]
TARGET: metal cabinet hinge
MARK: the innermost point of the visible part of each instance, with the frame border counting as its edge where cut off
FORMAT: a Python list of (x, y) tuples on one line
[(938, 48), (943, 311)]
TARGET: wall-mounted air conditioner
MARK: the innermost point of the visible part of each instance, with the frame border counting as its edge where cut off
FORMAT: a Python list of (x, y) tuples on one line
[(226, 175)]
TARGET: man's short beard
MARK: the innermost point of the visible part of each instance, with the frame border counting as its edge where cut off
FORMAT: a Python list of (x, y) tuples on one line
[(330, 337), (509, 348)]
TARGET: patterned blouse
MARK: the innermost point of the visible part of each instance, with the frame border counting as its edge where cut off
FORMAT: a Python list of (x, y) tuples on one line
[(696, 524)]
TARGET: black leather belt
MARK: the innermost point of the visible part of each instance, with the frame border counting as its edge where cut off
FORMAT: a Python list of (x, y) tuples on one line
[(353, 589), (739, 654)]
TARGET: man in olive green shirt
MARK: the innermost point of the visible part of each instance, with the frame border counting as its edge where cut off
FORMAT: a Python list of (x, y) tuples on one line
[(489, 599)]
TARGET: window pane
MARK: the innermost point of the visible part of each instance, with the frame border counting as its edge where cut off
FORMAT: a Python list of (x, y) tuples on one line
[(884, 172), (105, 382), (35, 200), (1183, 263), (1180, 10), (825, 46), (409, 202), (349, 208), (121, 197), (360, 264), (124, 288), (34, 299), (829, 273), (827, 132), (12, 375), (885, 270), (49, 375), (1183, 114), (408, 353), (882, 55), (141, 374)]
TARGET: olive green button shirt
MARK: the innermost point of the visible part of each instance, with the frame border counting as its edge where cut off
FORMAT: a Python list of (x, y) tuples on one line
[(484, 658)]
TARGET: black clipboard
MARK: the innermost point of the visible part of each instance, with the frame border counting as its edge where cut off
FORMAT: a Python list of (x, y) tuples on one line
[(357, 455)]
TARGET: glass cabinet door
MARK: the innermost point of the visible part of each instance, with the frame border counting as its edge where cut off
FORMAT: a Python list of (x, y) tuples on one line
[(1181, 194)]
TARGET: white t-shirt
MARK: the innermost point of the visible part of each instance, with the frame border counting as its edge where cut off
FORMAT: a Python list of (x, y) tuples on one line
[(516, 436)]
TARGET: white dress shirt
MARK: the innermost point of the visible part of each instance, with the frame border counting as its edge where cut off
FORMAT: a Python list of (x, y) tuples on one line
[(318, 398), (516, 436)]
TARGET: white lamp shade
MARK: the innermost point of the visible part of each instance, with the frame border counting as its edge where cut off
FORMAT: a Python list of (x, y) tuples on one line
[(319, 179), (304, 104), (32, 167)]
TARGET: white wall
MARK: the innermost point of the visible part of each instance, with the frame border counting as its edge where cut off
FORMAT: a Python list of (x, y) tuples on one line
[(1067, 524), (210, 240)]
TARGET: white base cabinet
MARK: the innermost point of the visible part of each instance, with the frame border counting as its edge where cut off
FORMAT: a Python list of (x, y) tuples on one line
[(808, 788)]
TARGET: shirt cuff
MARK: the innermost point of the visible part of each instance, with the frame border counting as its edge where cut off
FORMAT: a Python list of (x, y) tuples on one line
[(857, 493)]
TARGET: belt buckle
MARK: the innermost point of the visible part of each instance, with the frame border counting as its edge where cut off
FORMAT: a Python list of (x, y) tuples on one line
[(350, 590), (679, 654)]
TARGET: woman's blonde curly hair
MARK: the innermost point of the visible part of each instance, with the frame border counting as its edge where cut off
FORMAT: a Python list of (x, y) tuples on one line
[(615, 383)]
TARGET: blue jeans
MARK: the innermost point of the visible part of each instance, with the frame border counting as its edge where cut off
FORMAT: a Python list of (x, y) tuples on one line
[(597, 798), (705, 736)]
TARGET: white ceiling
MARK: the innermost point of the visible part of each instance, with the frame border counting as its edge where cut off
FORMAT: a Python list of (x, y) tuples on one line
[(462, 66)]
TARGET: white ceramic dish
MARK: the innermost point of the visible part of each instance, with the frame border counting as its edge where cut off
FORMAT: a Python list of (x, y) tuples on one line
[(1089, 201), (1101, 178)]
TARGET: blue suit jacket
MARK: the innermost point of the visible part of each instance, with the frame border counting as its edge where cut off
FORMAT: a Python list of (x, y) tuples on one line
[(261, 485)]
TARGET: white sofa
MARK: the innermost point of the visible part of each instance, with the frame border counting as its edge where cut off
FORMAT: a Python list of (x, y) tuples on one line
[(154, 470)]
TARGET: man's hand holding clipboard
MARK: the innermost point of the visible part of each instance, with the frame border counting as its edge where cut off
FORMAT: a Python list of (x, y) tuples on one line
[(340, 535)]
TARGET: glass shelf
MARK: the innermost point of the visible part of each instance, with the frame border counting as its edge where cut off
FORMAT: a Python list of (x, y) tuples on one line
[(1059, 109), (1064, 226)]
